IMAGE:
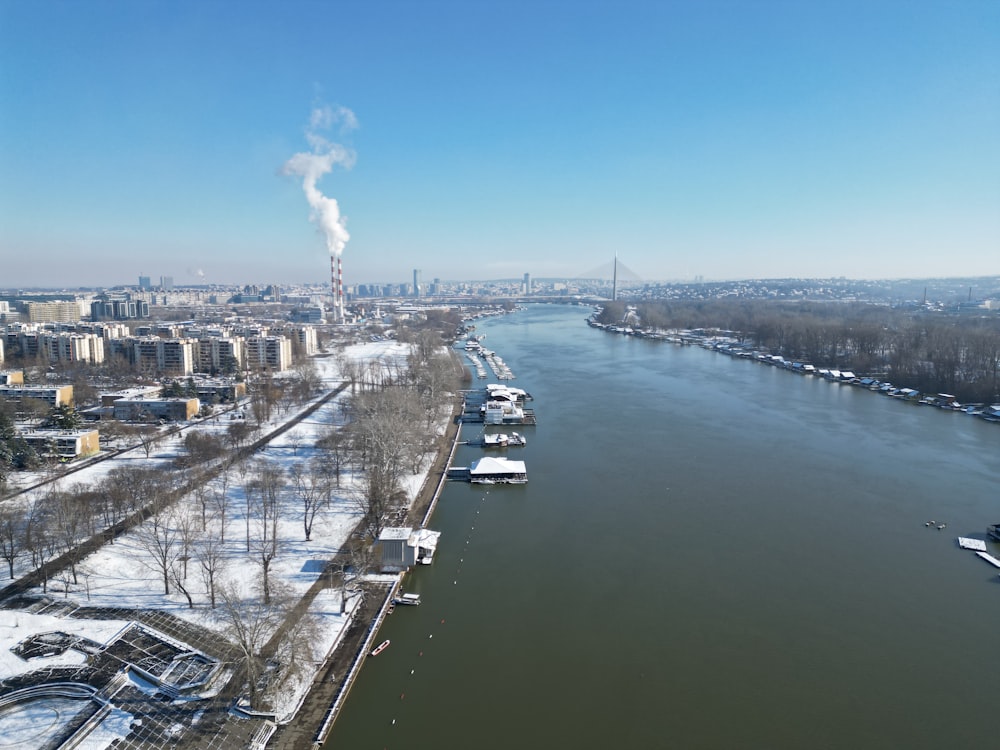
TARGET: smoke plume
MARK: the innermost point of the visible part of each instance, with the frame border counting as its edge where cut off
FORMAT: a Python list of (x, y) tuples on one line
[(312, 165)]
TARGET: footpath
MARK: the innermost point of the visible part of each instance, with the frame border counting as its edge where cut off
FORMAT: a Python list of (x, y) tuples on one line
[(335, 676)]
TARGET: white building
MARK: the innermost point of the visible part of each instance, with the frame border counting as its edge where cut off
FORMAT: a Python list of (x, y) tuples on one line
[(490, 470), (400, 548), (72, 347)]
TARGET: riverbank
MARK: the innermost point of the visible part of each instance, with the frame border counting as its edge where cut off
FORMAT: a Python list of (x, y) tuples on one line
[(334, 678)]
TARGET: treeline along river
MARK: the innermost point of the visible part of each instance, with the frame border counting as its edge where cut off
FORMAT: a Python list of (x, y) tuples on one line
[(708, 554)]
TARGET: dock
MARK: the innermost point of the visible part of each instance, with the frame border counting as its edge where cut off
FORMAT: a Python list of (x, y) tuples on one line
[(977, 545), (989, 558)]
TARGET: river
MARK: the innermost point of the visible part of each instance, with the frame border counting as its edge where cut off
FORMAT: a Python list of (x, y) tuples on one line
[(709, 553)]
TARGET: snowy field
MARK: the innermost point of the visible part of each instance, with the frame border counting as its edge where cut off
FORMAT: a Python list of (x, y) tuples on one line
[(123, 574)]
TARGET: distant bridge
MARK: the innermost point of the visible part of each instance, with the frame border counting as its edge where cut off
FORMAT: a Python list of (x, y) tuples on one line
[(606, 272)]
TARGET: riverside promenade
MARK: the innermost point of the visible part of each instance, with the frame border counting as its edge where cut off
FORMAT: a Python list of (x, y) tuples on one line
[(332, 683)]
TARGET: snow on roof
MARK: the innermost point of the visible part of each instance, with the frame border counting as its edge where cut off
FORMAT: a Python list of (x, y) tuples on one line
[(395, 533), (493, 388), (491, 465), (425, 538)]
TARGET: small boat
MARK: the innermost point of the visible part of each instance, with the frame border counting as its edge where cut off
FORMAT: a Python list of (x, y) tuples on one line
[(380, 647), (994, 531)]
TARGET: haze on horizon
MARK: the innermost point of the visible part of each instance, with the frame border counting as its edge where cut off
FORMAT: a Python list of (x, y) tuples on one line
[(487, 140)]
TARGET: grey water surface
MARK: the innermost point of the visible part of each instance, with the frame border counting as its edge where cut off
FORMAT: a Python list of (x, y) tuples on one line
[(709, 553)]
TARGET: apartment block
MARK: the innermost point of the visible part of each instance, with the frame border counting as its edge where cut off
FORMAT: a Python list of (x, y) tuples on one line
[(56, 395), (220, 354), (170, 409), (72, 347), (52, 312), (65, 444), (269, 352)]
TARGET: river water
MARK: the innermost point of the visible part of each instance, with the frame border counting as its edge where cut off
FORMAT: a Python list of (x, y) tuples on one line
[(709, 553)]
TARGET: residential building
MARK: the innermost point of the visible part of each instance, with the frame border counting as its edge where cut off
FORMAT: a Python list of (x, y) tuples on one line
[(220, 354), (64, 444), (53, 395), (162, 356), (52, 312), (305, 337), (143, 409), (268, 352), (72, 347)]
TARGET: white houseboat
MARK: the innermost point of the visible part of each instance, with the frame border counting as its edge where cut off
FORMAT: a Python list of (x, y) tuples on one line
[(503, 440), (489, 470)]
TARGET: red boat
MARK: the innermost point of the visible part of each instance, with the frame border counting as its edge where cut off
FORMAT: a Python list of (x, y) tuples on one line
[(380, 648)]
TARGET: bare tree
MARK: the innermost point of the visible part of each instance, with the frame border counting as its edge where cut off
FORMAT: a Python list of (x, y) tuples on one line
[(381, 432), (67, 523), (296, 650), (38, 537), (203, 496), (220, 502), (159, 537), (132, 488), (210, 554), (188, 533), (313, 488), (12, 534), (238, 434), (247, 484), (148, 437), (266, 489), (334, 444), (249, 623)]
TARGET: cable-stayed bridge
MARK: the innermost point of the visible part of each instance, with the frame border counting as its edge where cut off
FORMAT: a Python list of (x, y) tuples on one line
[(607, 272)]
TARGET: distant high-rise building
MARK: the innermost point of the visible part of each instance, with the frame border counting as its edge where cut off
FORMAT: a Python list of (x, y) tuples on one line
[(416, 282), (144, 283), (527, 283), (167, 283), (53, 312)]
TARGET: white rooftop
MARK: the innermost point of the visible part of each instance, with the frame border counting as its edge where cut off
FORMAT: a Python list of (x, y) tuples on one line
[(491, 465)]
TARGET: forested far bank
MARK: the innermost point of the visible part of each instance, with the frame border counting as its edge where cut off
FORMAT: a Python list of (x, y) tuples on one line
[(928, 351)]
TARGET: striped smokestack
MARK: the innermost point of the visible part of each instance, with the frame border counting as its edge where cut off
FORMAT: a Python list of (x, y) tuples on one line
[(333, 283), (340, 290)]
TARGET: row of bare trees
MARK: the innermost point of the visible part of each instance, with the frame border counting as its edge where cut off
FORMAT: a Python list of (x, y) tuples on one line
[(936, 352), (389, 416)]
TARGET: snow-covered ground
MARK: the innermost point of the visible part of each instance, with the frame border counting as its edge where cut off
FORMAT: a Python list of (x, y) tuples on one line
[(122, 574)]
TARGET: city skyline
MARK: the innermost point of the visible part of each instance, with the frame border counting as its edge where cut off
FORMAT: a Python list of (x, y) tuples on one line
[(485, 141)]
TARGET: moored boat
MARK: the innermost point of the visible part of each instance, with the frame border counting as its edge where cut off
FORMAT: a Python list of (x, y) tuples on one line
[(994, 531), (381, 647)]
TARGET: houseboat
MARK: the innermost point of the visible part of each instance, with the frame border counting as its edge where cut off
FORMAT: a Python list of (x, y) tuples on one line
[(489, 470), (503, 440), (380, 647), (408, 599)]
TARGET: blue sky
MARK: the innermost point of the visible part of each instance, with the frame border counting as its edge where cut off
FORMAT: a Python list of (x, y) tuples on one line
[(725, 139)]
